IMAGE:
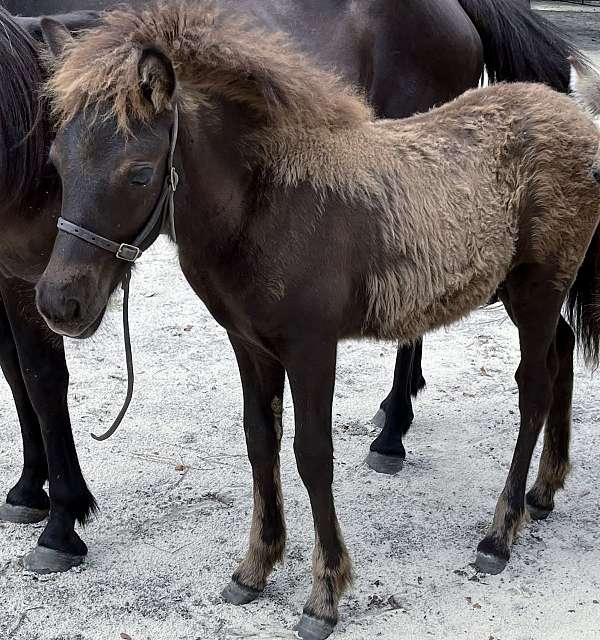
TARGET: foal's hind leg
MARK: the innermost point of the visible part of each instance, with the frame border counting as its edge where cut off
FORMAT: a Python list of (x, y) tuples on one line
[(262, 381), (554, 463), (395, 416), (27, 501), (534, 303)]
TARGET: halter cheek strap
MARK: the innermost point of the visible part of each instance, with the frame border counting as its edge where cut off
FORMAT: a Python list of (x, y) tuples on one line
[(162, 212)]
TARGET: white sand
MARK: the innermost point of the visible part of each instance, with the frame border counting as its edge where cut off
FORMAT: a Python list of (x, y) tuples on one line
[(164, 545)]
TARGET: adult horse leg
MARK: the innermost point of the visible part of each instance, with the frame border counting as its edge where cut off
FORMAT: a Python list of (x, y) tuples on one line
[(27, 501), (263, 381), (311, 370), (410, 76), (534, 303), (44, 370), (395, 415), (554, 462)]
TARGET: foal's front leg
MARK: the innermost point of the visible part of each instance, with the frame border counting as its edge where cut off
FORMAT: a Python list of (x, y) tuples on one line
[(311, 370), (263, 381)]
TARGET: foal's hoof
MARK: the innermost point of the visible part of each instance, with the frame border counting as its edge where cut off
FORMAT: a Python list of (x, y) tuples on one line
[(237, 594), (43, 560), (385, 464), (378, 419), (21, 515), (486, 563), (537, 511), (310, 628)]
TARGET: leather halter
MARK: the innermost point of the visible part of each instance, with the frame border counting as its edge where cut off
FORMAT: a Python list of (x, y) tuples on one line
[(161, 214)]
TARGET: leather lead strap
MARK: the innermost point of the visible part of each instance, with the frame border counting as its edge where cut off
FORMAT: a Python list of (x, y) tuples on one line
[(129, 360)]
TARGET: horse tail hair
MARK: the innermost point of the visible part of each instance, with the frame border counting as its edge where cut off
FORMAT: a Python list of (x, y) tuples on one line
[(519, 45), (583, 303)]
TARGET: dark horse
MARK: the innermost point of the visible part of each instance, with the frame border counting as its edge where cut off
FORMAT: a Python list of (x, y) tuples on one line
[(374, 48), (301, 221)]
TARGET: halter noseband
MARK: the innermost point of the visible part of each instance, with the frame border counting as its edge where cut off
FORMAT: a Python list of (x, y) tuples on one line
[(162, 212)]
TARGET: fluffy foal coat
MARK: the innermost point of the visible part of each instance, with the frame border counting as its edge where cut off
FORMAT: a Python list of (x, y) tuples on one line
[(405, 225)]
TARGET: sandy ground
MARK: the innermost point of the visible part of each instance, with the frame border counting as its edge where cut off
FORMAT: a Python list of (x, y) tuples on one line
[(166, 541)]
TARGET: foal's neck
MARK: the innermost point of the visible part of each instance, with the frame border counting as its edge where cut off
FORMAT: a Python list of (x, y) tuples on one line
[(214, 179)]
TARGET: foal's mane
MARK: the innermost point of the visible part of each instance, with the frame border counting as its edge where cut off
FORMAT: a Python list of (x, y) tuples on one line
[(24, 131), (213, 54)]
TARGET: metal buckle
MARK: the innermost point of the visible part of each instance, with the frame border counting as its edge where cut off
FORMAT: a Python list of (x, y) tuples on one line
[(128, 252), (174, 179)]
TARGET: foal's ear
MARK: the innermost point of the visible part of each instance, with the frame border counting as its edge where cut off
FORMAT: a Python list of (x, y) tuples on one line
[(157, 79), (56, 35)]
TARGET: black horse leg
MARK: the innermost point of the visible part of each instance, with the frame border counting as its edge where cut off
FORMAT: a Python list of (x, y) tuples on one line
[(44, 369), (395, 414), (27, 501)]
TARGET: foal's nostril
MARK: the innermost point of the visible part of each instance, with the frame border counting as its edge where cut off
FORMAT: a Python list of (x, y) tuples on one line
[(596, 173), (72, 310)]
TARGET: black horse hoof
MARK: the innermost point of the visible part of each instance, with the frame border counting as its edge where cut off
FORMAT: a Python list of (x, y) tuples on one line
[(310, 628), (43, 560), (488, 563), (238, 594), (537, 511), (385, 464), (21, 515), (378, 419)]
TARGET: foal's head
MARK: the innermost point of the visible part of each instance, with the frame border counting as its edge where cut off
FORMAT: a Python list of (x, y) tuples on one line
[(113, 166)]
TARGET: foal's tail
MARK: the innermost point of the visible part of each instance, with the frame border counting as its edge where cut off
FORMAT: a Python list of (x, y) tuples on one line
[(583, 303), (519, 45)]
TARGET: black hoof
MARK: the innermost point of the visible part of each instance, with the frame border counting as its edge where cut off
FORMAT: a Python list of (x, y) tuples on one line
[(21, 515), (537, 511), (379, 419), (238, 594), (43, 560), (310, 628), (488, 563), (385, 464)]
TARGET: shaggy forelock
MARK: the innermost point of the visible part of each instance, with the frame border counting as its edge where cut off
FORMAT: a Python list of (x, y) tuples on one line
[(212, 54)]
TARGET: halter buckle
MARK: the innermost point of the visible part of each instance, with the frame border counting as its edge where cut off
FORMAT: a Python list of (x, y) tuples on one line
[(174, 179), (128, 252)]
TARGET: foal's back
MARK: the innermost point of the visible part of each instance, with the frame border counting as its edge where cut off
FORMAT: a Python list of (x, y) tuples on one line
[(464, 193)]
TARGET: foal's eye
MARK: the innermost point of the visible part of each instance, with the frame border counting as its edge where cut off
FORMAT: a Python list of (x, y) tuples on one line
[(142, 177)]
